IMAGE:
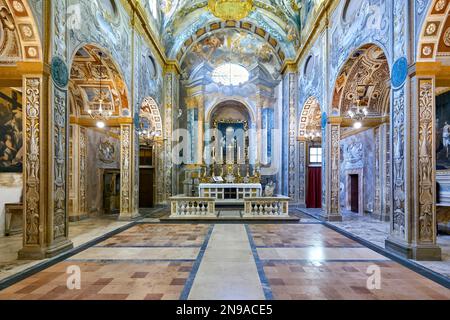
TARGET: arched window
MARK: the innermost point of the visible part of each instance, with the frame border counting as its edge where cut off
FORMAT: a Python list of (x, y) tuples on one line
[(230, 74)]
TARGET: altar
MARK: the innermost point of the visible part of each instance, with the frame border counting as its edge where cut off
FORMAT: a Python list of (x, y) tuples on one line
[(230, 193)]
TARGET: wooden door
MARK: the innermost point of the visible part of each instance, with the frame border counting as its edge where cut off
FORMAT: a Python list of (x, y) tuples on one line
[(354, 193), (146, 180)]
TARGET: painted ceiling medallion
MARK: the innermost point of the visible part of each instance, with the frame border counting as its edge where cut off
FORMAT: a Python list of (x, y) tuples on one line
[(230, 9)]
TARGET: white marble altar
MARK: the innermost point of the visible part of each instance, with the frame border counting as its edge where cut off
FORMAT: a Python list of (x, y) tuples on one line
[(230, 193)]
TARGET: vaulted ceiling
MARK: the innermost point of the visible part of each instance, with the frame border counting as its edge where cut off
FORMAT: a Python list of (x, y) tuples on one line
[(278, 19)]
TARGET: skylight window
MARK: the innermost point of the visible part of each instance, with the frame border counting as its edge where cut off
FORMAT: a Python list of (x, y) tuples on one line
[(230, 74)]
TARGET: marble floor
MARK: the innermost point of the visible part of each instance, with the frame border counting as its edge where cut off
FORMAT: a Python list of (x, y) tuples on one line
[(376, 232), (80, 233), (188, 261)]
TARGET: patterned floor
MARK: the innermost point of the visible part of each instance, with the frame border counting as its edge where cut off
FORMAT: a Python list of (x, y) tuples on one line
[(226, 261)]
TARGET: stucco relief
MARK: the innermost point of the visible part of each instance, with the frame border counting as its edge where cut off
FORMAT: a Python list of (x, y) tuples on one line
[(398, 166), (32, 178), (426, 162)]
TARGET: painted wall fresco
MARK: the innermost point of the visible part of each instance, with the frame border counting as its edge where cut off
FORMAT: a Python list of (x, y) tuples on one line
[(11, 140), (443, 132)]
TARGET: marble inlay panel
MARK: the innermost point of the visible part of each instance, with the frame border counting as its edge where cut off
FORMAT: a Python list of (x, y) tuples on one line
[(310, 280), (140, 254), (160, 235), (319, 254)]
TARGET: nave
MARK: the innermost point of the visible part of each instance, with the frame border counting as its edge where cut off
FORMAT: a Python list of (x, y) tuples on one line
[(228, 261)]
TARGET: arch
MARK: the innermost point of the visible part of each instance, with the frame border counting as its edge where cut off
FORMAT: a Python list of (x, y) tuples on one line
[(218, 26), (86, 70), (19, 36), (366, 65), (432, 42), (150, 110), (221, 103), (311, 116)]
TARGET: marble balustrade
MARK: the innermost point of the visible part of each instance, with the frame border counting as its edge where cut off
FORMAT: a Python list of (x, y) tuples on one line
[(191, 207), (267, 207)]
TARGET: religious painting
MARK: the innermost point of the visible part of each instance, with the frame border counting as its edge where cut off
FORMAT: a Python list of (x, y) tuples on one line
[(11, 141), (443, 132), (232, 137)]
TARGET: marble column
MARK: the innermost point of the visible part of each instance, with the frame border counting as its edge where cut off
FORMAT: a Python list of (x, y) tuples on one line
[(200, 142), (128, 178), (382, 173), (332, 210), (413, 216), (171, 104), (259, 128), (289, 141), (78, 182)]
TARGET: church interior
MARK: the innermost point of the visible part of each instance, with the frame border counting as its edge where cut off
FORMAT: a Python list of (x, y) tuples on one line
[(224, 150)]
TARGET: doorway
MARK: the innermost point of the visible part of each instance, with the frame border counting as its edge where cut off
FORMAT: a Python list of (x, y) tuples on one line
[(354, 193), (111, 192), (146, 178)]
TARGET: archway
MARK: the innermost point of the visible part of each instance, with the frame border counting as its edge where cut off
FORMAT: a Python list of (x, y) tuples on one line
[(231, 119), (310, 154), (360, 181), (151, 145), (99, 108)]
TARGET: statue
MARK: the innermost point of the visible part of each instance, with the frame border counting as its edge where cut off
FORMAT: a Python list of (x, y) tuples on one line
[(270, 189), (446, 138)]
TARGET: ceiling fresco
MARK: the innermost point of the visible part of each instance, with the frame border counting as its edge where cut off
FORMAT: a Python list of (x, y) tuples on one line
[(231, 46), (87, 73), (368, 65), (279, 18)]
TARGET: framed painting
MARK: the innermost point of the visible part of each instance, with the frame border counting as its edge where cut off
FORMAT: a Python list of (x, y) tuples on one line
[(11, 140)]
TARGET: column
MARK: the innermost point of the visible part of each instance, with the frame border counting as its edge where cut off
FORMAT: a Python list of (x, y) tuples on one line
[(290, 173), (46, 145), (302, 181), (332, 210), (200, 142), (78, 181), (382, 172), (264, 135), (259, 128), (128, 178), (171, 103), (413, 216), (45, 171)]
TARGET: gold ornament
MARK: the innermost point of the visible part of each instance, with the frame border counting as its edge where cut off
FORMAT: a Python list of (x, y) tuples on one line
[(230, 9)]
